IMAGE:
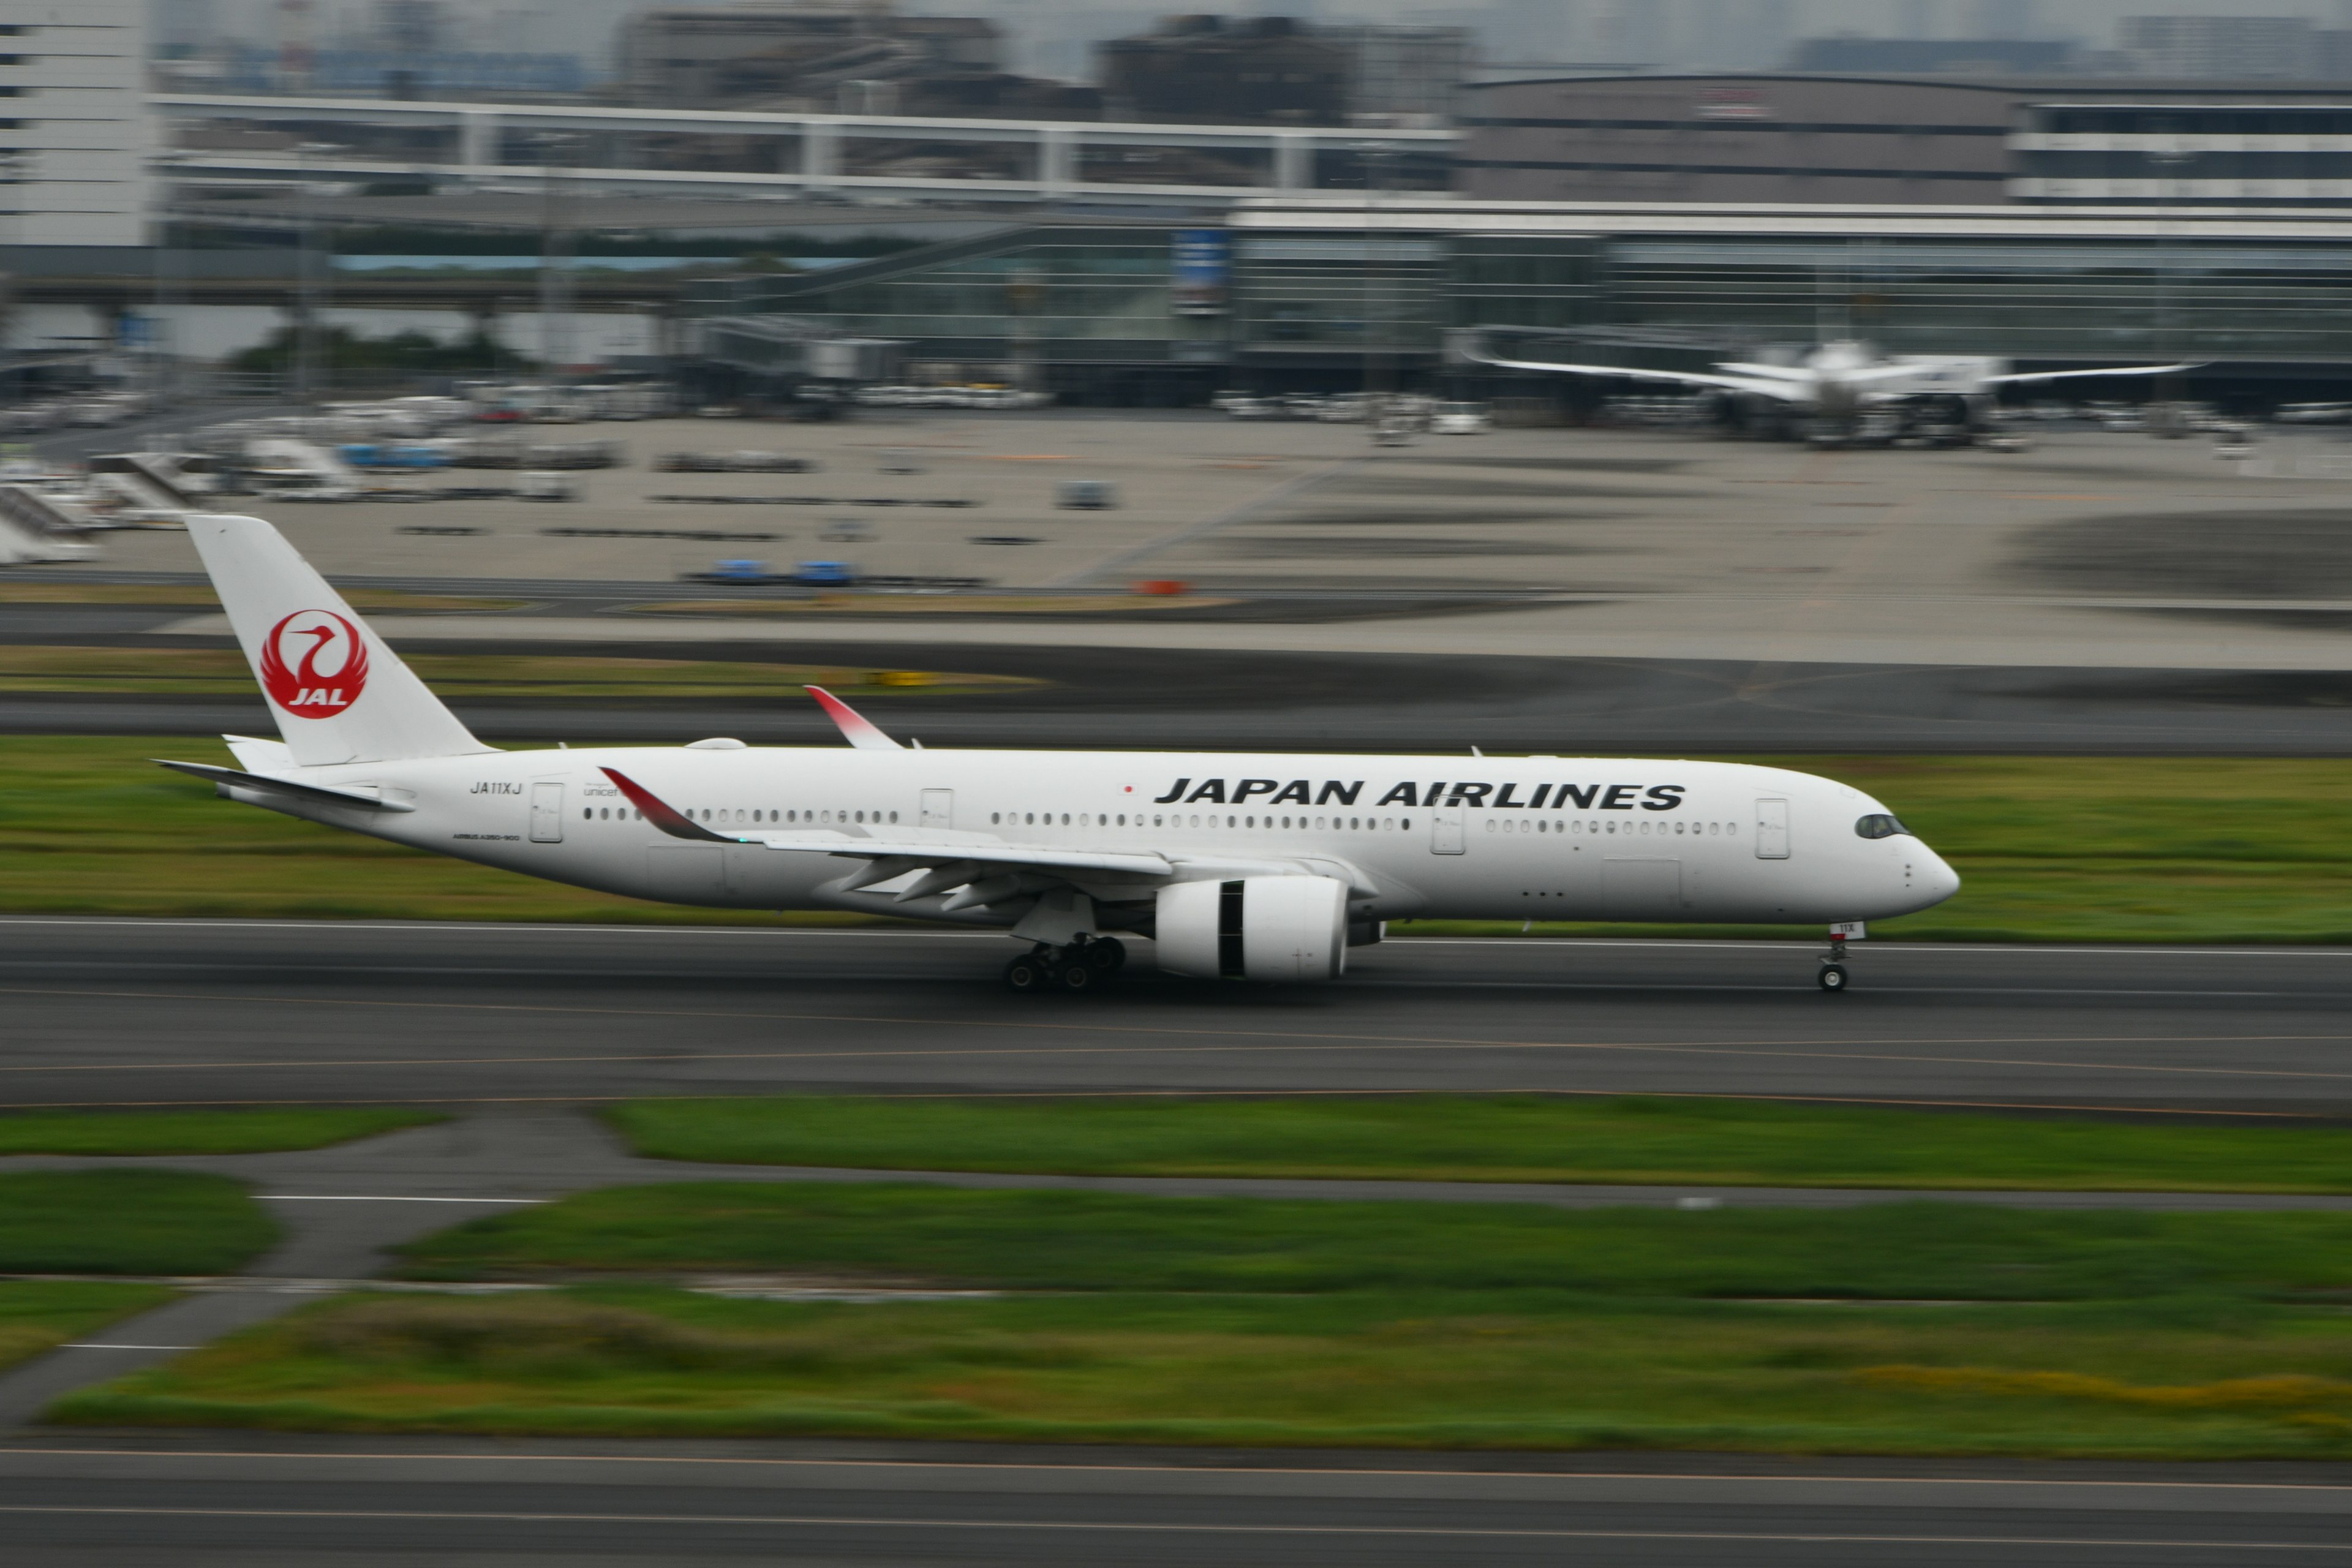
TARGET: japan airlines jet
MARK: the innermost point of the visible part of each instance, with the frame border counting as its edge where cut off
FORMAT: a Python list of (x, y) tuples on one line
[(1240, 866)]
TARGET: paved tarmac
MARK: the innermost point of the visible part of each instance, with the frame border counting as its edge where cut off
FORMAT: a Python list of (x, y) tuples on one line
[(136, 1012), (196, 1500), (515, 1027), (1240, 699)]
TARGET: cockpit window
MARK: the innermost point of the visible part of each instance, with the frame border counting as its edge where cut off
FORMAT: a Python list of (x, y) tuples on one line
[(1878, 825)]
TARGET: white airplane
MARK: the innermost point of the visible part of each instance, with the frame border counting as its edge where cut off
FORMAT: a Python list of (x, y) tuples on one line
[(1838, 380), (1240, 866)]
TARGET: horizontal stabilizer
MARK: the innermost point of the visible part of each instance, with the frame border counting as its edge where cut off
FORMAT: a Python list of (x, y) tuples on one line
[(324, 794)]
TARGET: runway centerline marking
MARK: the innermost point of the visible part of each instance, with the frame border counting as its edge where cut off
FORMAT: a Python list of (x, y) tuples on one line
[(761, 1461), (1291, 1041), (1131, 1527)]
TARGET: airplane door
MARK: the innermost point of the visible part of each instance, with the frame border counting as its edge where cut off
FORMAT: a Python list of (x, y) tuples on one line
[(1772, 830), (938, 808), (1445, 836), (547, 814)]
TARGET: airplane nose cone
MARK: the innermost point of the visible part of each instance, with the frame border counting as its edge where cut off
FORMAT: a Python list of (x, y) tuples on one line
[(1937, 878)]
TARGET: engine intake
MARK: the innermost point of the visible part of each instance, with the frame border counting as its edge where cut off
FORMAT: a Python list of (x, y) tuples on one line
[(1254, 928)]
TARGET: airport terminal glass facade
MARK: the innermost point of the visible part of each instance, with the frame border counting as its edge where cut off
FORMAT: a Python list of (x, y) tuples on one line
[(1311, 288)]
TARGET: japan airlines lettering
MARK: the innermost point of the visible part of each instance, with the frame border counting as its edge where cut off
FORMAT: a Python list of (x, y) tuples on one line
[(1441, 793)]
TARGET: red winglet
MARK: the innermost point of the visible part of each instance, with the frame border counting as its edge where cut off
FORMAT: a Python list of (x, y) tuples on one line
[(661, 814), (855, 728)]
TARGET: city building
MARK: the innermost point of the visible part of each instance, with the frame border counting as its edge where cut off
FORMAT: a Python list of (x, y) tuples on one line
[(2245, 48), (1919, 56), (1402, 75), (2163, 149), (1907, 140), (1282, 70), (1231, 70), (739, 56), (76, 127), (1736, 139)]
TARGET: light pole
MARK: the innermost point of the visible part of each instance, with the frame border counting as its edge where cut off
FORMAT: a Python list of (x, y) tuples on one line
[(1375, 301), (308, 286), (555, 273), (162, 342), (2174, 160)]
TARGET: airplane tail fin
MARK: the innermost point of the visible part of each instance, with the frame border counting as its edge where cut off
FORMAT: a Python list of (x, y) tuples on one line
[(338, 691)]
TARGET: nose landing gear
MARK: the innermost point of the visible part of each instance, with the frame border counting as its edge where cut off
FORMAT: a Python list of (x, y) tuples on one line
[(1832, 976), (1088, 963)]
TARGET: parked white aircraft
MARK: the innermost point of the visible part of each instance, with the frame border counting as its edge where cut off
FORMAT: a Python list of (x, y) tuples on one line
[(1240, 866), (1839, 379)]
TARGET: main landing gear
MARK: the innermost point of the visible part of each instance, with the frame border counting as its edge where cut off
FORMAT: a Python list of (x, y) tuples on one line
[(1086, 965), (1832, 976)]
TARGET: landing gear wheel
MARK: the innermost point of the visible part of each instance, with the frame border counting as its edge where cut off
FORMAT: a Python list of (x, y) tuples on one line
[(1024, 974), (1108, 954), (1832, 977), (1075, 976)]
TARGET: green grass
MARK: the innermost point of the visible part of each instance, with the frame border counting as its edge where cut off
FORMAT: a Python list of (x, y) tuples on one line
[(256, 1130), (1502, 1138), (1910, 1329), (39, 1315), (2052, 850), (127, 1221), (1059, 1240)]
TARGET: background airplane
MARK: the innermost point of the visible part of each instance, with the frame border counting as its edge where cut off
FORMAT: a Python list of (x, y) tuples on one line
[(1836, 381), (1241, 865)]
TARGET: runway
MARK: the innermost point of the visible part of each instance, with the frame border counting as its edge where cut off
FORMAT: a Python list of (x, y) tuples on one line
[(197, 1502), (1260, 699), (510, 1026), (153, 1012)]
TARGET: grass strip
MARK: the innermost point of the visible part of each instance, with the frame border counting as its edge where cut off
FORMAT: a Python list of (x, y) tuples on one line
[(39, 1315), (1027, 1239), (260, 1130), (2188, 850), (1503, 1138), (1918, 1329), (127, 1221)]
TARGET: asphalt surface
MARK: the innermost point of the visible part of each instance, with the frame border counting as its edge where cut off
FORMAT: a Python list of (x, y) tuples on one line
[(1240, 698), (194, 1502), (516, 1028), (117, 1012)]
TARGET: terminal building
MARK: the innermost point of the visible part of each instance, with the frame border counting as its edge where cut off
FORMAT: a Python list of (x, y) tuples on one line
[(1302, 293)]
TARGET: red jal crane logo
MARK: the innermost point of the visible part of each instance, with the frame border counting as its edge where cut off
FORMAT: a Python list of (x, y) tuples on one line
[(329, 665)]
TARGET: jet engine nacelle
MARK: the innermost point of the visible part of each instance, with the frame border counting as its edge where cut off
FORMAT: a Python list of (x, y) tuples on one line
[(1254, 928)]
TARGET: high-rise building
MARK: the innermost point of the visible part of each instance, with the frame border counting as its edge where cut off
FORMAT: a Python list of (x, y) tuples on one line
[(74, 128), (2246, 48), (1403, 72), (2002, 20), (410, 26), (184, 26)]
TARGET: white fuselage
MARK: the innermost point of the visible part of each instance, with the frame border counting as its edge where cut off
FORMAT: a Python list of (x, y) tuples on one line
[(1519, 837)]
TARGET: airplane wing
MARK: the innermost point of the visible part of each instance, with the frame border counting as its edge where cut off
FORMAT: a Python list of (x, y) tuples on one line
[(2017, 378), (325, 795), (1788, 392), (895, 857), (855, 728), (1791, 374)]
